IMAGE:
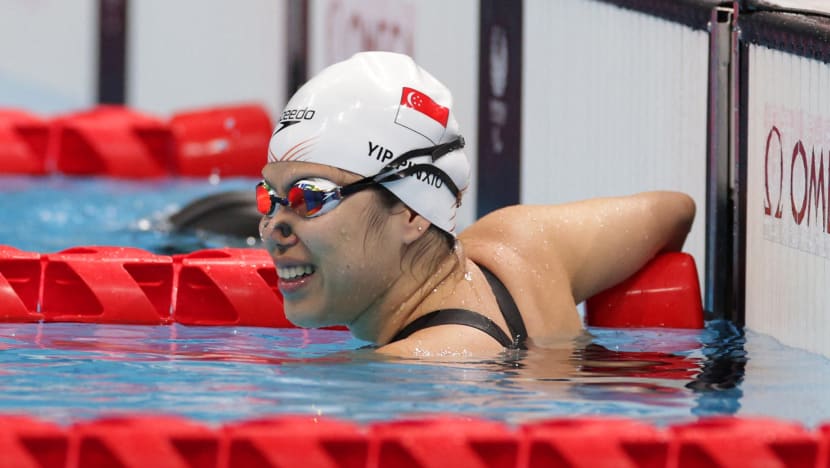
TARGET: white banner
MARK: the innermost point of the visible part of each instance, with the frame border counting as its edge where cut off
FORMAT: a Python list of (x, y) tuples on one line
[(788, 198)]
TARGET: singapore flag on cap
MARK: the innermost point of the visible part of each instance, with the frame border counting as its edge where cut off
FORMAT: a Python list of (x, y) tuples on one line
[(418, 112)]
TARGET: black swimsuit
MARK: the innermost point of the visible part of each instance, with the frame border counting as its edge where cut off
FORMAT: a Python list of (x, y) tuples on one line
[(509, 311)]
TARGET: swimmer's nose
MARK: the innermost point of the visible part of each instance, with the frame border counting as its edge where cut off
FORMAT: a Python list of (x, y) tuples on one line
[(277, 234)]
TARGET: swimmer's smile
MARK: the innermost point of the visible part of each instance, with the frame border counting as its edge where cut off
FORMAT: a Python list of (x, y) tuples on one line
[(293, 277)]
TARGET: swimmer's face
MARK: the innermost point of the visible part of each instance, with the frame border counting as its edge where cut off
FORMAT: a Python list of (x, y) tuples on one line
[(331, 268)]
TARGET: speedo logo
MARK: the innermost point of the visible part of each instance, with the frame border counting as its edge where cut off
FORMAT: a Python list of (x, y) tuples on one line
[(294, 116)]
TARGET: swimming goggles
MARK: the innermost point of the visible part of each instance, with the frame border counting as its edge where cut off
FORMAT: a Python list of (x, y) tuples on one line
[(308, 198), (313, 197)]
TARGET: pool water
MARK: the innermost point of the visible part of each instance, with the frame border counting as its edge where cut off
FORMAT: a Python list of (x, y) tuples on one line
[(65, 372), (48, 214)]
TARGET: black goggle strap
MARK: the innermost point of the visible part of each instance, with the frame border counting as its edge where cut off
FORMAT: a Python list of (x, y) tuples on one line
[(435, 152), (392, 170), (379, 179), (355, 187), (428, 168)]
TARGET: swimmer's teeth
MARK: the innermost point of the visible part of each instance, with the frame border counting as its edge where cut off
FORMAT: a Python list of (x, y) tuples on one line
[(294, 272)]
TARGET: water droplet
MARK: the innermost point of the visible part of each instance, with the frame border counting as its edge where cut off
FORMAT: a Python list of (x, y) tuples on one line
[(468, 276)]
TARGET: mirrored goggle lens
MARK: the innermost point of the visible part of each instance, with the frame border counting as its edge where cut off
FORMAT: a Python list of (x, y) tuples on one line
[(309, 199), (265, 202), (306, 198)]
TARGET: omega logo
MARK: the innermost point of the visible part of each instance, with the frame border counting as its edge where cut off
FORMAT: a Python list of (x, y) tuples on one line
[(806, 196)]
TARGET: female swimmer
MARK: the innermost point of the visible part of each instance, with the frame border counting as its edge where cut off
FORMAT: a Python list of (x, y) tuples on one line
[(366, 169)]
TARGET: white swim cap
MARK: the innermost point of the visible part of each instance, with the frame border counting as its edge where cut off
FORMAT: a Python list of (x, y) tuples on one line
[(380, 114)]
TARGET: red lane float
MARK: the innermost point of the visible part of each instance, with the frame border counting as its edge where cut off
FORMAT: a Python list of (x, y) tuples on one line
[(228, 287), (114, 141), (144, 441), (824, 445), (107, 285), (230, 141), (726, 442), (664, 293), (119, 141), (240, 287), (102, 284), (24, 139), (295, 441), (592, 442), (314, 441), (30, 443), (445, 441), (20, 280)]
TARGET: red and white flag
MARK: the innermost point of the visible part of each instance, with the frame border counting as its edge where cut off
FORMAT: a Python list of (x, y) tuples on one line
[(419, 113)]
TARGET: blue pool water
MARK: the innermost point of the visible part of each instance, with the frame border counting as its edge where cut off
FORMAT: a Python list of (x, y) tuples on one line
[(47, 214), (67, 372)]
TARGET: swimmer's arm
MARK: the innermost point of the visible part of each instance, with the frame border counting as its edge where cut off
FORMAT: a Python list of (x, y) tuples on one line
[(597, 243), (607, 240)]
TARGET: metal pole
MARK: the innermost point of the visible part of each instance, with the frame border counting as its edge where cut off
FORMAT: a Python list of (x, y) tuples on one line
[(112, 51), (719, 222), (738, 163)]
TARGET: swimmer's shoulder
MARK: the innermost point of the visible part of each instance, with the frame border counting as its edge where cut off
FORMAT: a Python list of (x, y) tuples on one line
[(525, 229), (515, 240), (519, 245), (447, 342)]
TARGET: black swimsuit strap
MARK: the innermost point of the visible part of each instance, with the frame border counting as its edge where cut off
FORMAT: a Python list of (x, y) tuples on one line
[(456, 317), (508, 308)]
